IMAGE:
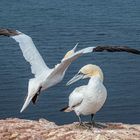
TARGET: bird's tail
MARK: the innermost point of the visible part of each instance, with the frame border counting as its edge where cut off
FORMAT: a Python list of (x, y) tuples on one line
[(27, 101), (66, 109)]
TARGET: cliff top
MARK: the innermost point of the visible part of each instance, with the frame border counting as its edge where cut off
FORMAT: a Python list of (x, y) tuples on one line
[(20, 129)]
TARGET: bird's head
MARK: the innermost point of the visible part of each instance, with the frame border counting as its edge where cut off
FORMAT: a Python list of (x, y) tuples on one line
[(70, 53), (87, 71)]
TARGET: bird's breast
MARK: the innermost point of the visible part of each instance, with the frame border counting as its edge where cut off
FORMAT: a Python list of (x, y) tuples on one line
[(94, 98)]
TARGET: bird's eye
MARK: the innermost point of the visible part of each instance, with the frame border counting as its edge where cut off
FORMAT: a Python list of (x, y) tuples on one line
[(80, 73)]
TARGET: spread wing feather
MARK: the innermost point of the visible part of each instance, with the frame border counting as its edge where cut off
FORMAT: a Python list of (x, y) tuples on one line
[(28, 49)]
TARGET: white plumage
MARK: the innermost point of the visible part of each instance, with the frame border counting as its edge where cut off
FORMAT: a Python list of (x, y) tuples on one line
[(31, 54), (87, 99)]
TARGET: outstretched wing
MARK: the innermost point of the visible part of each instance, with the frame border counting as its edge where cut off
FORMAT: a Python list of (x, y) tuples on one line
[(28, 49), (60, 68)]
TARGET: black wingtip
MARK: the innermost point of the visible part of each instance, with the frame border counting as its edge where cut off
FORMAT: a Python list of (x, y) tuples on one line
[(8, 32), (110, 48)]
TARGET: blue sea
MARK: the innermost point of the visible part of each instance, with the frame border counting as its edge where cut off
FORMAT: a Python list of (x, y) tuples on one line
[(55, 27)]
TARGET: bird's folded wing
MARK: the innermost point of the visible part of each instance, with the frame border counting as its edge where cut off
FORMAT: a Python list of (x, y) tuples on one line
[(28, 49), (76, 97)]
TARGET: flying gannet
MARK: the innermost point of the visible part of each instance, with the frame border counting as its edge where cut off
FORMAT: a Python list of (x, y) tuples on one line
[(87, 99), (44, 77)]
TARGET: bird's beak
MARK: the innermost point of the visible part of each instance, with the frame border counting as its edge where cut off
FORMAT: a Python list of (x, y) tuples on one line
[(75, 47), (77, 77)]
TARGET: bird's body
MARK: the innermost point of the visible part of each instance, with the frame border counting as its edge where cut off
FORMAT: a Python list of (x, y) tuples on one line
[(38, 84), (90, 98)]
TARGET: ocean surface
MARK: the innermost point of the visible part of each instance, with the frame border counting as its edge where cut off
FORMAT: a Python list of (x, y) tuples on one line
[(55, 27)]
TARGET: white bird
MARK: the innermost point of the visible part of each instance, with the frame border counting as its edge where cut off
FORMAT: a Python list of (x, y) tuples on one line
[(44, 77), (87, 99)]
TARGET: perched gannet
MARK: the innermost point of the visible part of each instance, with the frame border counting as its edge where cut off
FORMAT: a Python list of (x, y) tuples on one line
[(87, 99), (44, 76)]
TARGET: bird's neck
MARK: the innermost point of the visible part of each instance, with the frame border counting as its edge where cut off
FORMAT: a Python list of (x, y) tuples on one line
[(94, 81), (97, 74)]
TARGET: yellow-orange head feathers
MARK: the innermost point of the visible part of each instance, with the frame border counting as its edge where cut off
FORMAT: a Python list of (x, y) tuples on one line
[(92, 70)]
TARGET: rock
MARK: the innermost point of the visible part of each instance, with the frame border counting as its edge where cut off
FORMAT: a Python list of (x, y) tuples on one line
[(20, 129), (14, 136)]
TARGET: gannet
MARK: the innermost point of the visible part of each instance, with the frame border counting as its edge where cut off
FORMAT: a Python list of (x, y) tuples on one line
[(45, 77), (87, 99)]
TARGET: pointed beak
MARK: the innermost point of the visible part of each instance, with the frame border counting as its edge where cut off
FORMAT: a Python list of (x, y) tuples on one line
[(75, 47), (75, 78)]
